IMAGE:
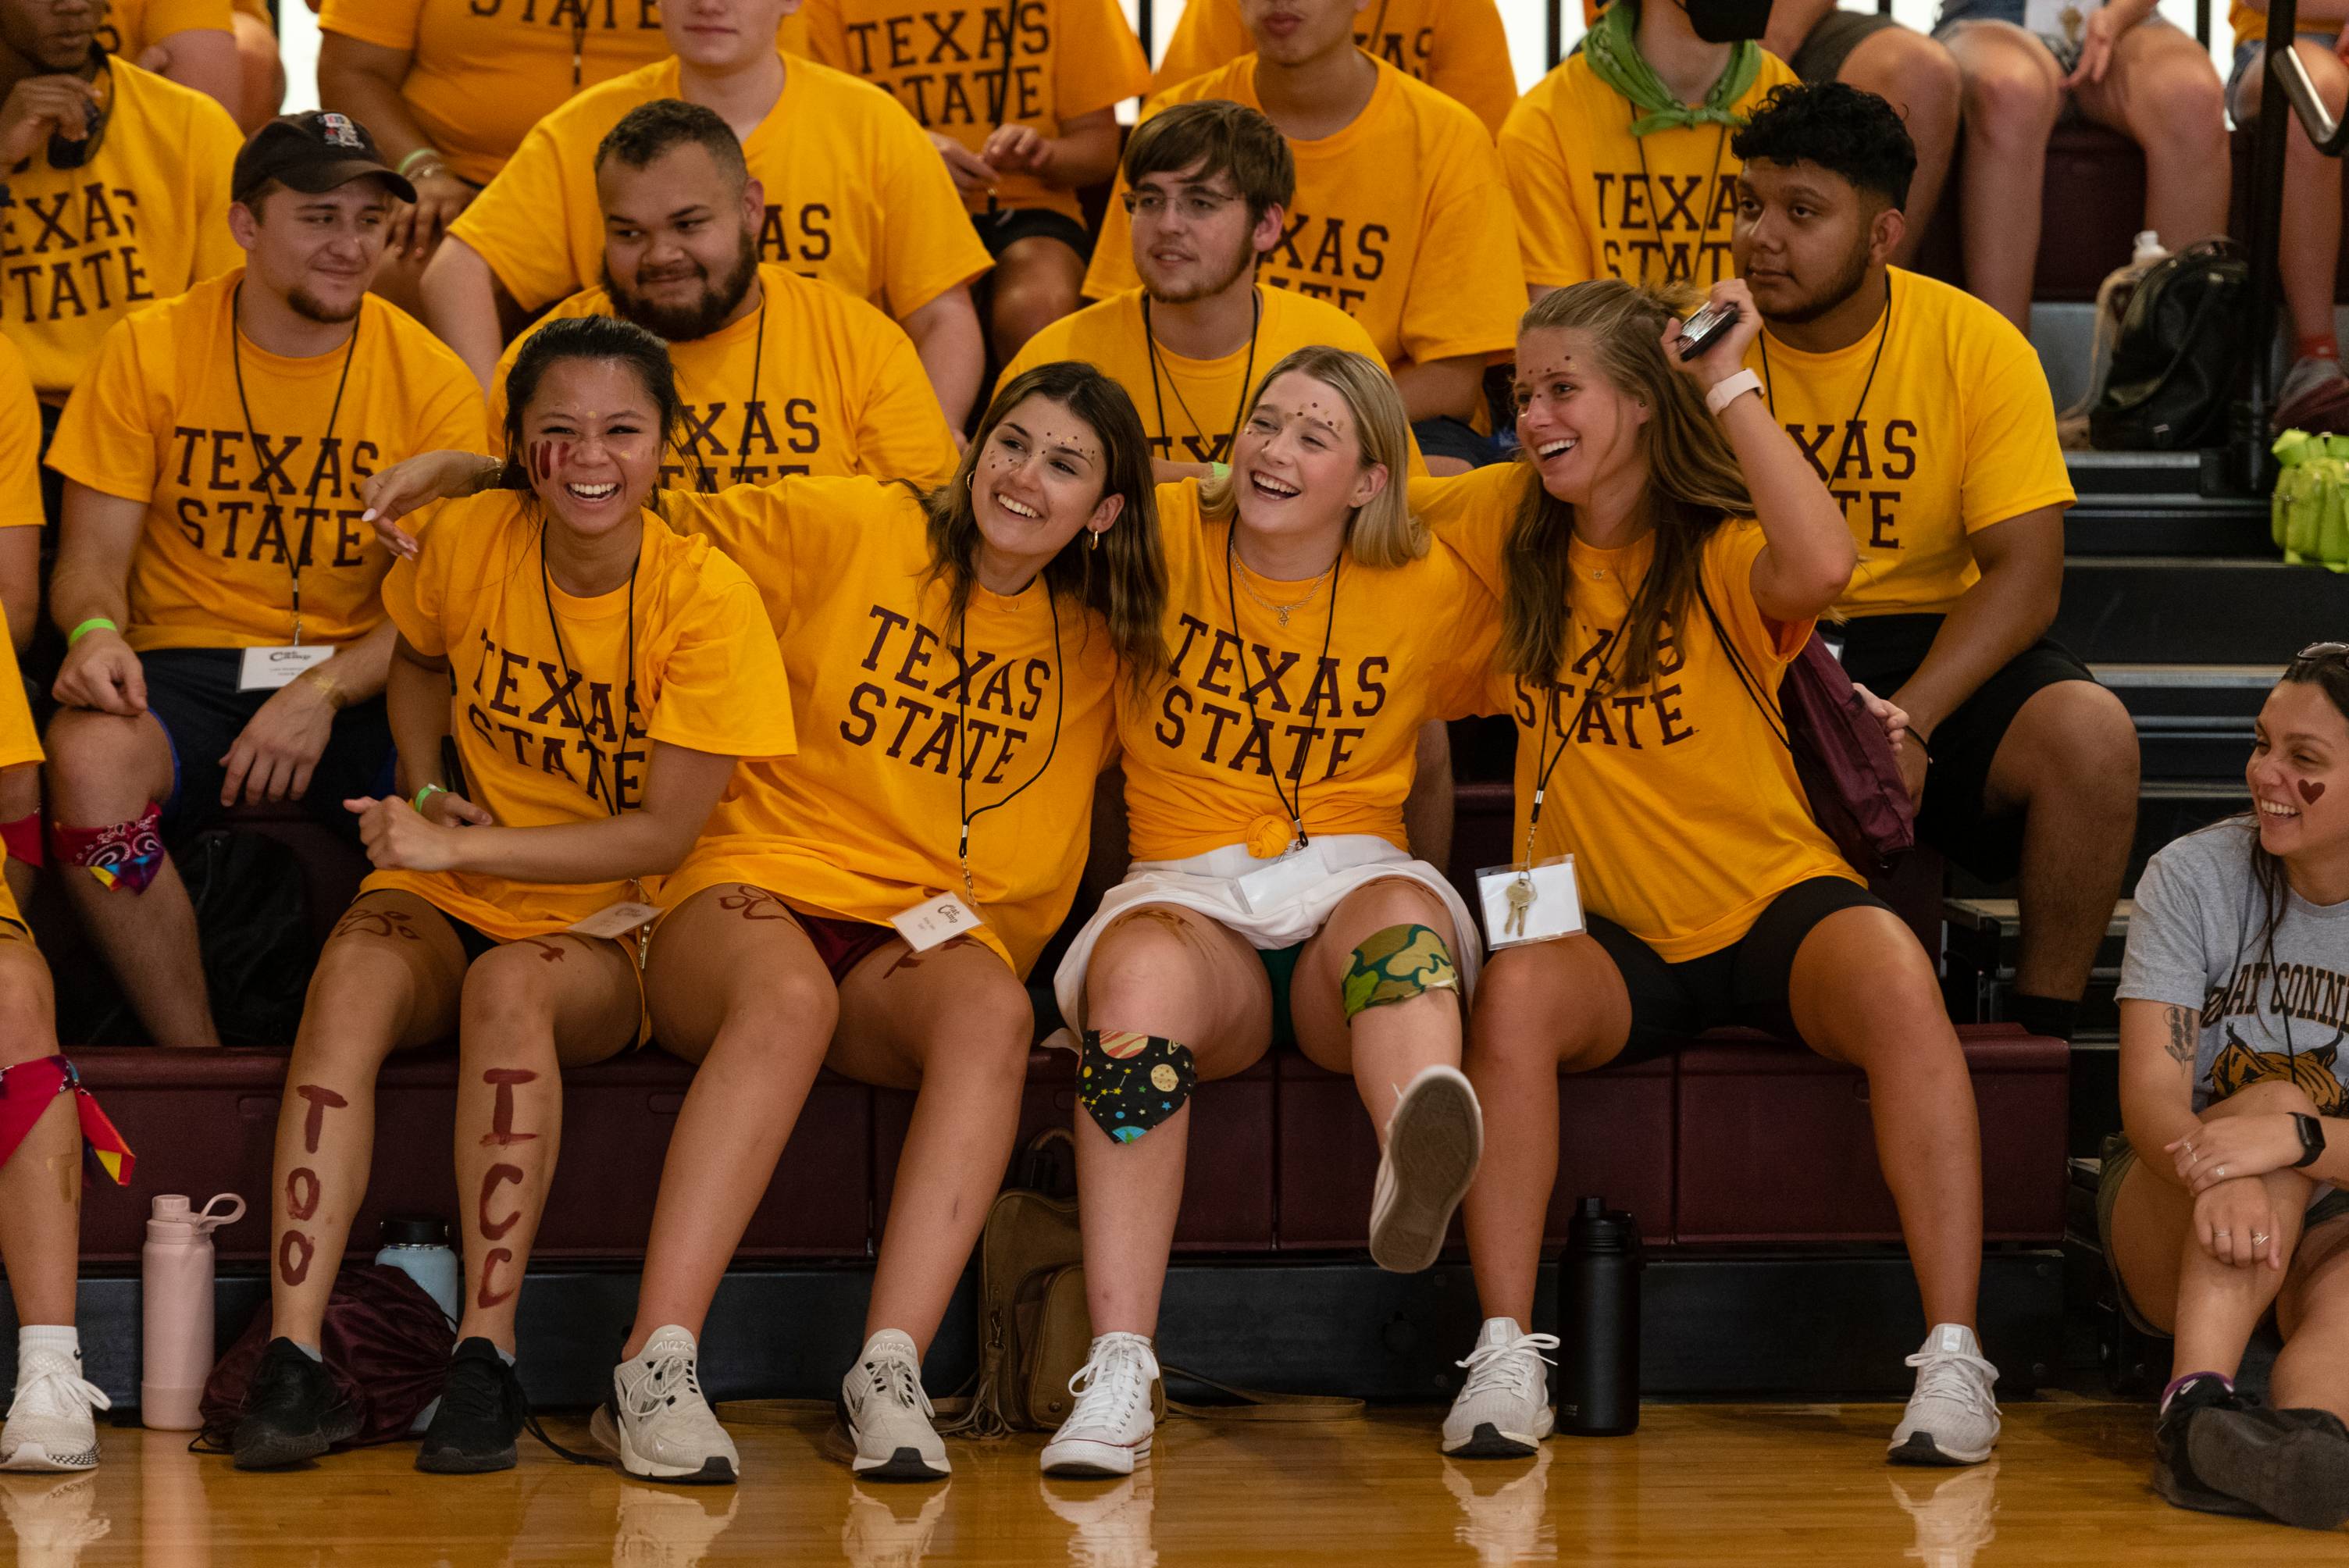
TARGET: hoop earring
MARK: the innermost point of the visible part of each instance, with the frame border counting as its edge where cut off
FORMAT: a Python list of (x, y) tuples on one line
[(1092, 538)]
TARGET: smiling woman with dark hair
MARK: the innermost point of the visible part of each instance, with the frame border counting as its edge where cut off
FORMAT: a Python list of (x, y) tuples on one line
[(2222, 1201)]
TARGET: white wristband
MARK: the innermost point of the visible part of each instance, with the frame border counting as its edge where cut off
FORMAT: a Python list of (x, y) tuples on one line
[(1729, 389)]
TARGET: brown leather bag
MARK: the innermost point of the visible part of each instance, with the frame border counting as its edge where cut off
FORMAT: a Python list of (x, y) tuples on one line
[(1036, 1331)]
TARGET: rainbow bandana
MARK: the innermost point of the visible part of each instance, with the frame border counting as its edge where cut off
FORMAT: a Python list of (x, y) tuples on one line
[(25, 1092), (119, 855)]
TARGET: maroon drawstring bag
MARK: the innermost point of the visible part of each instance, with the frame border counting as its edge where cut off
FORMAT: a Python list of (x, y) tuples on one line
[(1841, 755), (385, 1342)]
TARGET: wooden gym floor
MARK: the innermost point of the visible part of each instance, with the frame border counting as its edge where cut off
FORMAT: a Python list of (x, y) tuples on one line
[(1698, 1484)]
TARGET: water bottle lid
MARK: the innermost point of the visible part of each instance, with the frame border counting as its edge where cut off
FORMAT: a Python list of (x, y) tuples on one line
[(415, 1231), (170, 1206)]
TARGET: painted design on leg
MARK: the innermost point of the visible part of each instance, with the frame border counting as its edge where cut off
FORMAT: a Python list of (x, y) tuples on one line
[(1396, 965), (300, 1193), (322, 1100), (294, 1252), (120, 855), (1130, 1082), (550, 952), (303, 1189), (377, 923), (502, 1133), (754, 903), (909, 959), (497, 1176), (487, 1295)]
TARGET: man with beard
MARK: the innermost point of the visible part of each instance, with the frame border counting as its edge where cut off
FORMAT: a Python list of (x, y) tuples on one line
[(215, 584), (1929, 418), (781, 374)]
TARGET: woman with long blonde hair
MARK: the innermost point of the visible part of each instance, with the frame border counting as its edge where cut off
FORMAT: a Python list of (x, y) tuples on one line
[(1313, 626), (1662, 553)]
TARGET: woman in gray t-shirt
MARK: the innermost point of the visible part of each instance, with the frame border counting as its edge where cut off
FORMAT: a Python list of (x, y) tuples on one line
[(2222, 1201)]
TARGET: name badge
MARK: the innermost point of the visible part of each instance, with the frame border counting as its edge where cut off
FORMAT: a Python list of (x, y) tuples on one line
[(936, 920), (1268, 888), (617, 921), (2066, 19), (1529, 903), (266, 669)]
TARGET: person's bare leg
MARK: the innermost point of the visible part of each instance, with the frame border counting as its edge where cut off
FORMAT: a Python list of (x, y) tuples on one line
[(1179, 975), (105, 768), (1863, 992), (530, 1009), (2310, 1373), (1037, 281), (2069, 764), (735, 987), (40, 1184), (20, 796), (2162, 92), (1918, 77), (388, 980), (2012, 93), (2308, 243), (955, 1024), (1541, 1008), (1384, 1048)]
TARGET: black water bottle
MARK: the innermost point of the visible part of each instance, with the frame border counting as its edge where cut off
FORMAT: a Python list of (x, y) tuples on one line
[(1599, 1323)]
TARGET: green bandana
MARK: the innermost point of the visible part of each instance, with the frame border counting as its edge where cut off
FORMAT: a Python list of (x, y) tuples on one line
[(1612, 48)]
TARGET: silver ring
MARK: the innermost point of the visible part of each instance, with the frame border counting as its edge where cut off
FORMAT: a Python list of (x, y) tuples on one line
[(2218, 1171), (2258, 1240), (2223, 1235)]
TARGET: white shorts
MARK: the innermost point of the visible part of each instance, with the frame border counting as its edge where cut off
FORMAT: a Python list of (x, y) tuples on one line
[(1206, 883)]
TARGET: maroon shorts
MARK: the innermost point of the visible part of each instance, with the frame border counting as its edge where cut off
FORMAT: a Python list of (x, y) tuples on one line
[(842, 944)]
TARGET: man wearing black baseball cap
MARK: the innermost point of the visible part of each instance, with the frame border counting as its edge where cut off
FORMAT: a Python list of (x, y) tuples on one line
[(225, 637)]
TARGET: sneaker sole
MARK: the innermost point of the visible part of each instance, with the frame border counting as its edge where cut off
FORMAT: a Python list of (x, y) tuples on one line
[(1921, 1449), (1489, 1442), (1435, 1144), (34, 1457), (446, 1463), (604, 1430), (905, 1464), (2197, 1500), (2301, 1477), (274, 1449), (1078, 1466)]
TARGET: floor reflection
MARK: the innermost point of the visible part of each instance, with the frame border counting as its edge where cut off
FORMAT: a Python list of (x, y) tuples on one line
[(891, 1526), (1113, 1521), (670, 1527), (1506, 1508), (54, 1517), (1954, 1513)]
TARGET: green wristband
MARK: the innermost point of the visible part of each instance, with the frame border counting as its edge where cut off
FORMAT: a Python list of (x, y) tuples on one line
[(94, 623), (1221, 471), (426, 794)]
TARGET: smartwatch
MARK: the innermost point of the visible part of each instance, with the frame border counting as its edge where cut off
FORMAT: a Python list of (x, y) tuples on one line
[(2312, 1140)]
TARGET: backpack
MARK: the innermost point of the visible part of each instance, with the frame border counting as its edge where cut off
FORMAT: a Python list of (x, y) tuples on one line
[(384, 1341), (2178, 352)]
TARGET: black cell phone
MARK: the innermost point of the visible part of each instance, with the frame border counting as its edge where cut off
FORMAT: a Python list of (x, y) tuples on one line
[(1704, 329), (65, 154)]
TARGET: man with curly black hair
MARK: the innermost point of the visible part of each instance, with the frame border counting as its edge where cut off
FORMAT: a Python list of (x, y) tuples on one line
[(1929, 418)]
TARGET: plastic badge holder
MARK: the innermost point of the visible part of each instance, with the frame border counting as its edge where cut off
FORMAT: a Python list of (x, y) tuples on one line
[(266, 669), (1271, 887), (936, 920), (1529, 903)]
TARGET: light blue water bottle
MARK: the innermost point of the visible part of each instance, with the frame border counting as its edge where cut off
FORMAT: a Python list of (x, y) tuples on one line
[(418, 1246)]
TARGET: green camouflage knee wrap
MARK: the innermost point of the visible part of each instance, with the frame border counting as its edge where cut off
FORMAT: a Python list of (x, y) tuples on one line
[(1396, 965)]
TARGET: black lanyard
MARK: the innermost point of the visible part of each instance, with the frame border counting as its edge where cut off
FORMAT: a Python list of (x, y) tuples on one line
[(294, 550), (1770, 389), (1247, 373), (1544, 763), (1656, 218), (612, 802), (750, 409), (962, 730), (1296, 809)]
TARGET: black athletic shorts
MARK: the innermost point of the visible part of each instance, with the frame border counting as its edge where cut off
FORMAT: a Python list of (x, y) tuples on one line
[(1881, 653), (1741, 986), (1445, 437), (999, 231), (192, 694), (1820, 56)]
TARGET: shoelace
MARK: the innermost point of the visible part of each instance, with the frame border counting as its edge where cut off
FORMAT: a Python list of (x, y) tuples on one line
[(672, 1370), (894, 1378), (482, 1399), (1941, 1375), (1114, 1378), (52, 1388), (1493, 1366)]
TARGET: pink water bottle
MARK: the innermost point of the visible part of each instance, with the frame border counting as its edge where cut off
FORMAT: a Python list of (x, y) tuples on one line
[(176, 1291)]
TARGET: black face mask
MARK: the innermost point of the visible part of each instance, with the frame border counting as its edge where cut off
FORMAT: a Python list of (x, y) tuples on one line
[(1728, 21)]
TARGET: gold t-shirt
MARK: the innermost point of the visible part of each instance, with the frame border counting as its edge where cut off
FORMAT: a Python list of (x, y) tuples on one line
[(133, 26), (19, 743), (20, 443), (1456, 46), (1678, 801), (855, 194), (830, 386), (142, 221), (1594, 201), (546, 736), (1255, 718), (158, 422), (957, 73), (1402, 221), (864, 823), (1956, 433)]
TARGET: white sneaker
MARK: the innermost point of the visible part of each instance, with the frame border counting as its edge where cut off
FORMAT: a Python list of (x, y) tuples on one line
[(49, 1423), (886, 1415), (1951, 1418), (1503, 1410), (656, 1529), (657, 1422), (1433, 1142), (1111, 1426), (1955, 1518)]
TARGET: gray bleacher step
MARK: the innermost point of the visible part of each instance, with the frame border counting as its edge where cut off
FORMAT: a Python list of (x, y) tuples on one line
[(2172, 609), (2193, 721), (2161, 503)]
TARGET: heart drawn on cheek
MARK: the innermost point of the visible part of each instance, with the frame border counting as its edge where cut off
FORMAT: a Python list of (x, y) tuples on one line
[(2310, 789)]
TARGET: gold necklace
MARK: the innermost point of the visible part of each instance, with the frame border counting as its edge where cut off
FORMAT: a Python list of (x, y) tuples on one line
[(1280, 612)]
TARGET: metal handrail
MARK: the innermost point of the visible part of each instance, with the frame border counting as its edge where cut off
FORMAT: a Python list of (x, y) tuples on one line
[(2285, 87)]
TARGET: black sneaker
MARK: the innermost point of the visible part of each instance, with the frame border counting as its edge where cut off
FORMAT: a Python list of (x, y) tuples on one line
[(2174, 1475), (481, 1415), (2292, 1465), (293, 1411)]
